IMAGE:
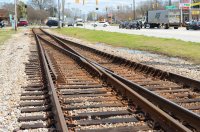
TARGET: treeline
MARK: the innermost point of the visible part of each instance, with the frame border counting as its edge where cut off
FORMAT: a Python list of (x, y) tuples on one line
[(36, 11)]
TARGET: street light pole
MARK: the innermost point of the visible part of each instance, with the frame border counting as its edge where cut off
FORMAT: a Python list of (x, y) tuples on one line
[(15, 19), (134, 9), (63, 10), (59, 24), (170, 2)]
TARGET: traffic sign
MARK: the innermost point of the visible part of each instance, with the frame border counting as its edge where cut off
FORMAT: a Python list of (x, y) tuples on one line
[(184, 5), (171, 7)]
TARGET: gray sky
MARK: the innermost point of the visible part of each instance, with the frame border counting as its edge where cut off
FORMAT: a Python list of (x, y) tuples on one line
[(90, 4)]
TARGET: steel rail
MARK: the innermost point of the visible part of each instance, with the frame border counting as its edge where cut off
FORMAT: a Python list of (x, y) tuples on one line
[(51, 66), (179, 112), (56, 108), (169, 123), (186, 81)]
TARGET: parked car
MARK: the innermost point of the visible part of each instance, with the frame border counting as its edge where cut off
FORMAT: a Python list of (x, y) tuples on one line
[(22, 23), (51, 23), (140, 23), (131, 25), (80, 23), (2, 24), (193, 25), (70, 21), (123, 24), (101, 24), (70, 24), (134, 25)]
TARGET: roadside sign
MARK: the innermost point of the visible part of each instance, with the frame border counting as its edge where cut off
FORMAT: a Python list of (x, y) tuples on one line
[(184, 6), (195, 12), (171, 7), (195, 4)]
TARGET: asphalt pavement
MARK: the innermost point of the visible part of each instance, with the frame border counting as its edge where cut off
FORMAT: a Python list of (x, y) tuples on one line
[(181, 33)]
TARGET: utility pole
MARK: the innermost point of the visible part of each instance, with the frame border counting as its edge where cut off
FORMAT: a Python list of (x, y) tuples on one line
[(59, 21), (134, 13), (181, 13), (170, 2), (156, 5), (15, 15), (63, 10)]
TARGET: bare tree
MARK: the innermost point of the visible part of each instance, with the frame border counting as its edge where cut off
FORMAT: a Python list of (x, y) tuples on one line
[(42, 4), (9, 7), (36, 15)]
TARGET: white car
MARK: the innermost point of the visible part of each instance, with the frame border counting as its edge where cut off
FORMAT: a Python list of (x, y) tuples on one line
[(101, 24), (79, 23)]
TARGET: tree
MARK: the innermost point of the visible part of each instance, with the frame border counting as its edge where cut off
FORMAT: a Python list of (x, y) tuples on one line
[(42, 4), (22, 10), (9, 7), (52, 11), (36, 15), (40, 10)]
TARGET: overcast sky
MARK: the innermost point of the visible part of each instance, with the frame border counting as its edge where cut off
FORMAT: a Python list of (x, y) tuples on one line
[(90, 4)]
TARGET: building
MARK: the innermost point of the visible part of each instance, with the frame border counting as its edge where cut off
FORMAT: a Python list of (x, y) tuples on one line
[(190, 10), (195, 10), (4, 15)]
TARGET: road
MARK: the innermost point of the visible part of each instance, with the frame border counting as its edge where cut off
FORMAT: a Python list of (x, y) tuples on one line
[(181, 33)]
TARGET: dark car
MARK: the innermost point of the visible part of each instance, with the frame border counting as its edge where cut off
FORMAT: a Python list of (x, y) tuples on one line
[(193, 25), (22, 23), (123, 24), (140, 24), (1, 24), (133, 25), (120, 24), (51, 23)]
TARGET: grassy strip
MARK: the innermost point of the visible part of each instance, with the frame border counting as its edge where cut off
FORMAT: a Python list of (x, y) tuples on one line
[(170, 47), (114, 24), (5, 34)]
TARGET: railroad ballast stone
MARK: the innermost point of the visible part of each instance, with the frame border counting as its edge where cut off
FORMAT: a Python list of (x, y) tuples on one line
[(13, 55)]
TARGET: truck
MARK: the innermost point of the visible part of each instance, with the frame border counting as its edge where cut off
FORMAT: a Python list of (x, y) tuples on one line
[(166, 18)]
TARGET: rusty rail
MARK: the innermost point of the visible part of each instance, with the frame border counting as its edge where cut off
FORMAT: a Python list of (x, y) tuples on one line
[(56, 108), (181, 113), (169, 76), (169, 123)]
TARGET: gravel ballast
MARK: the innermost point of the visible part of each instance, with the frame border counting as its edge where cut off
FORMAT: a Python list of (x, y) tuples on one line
[(171, 64), (13, 54)]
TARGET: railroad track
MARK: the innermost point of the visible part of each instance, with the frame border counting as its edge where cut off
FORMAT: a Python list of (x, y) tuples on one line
[(185, 94), (38, 109), (91, 99), (34, 97), (180, 90)]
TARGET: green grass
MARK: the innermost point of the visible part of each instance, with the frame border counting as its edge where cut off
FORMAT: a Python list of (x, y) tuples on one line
[(171, 47), (5, 34), (114, 24)]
